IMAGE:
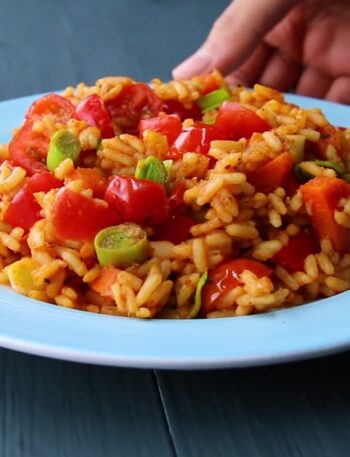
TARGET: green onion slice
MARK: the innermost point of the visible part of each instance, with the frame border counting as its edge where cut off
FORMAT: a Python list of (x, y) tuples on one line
[(198, 296), (213, 99), (63, 145), (122, 245), (337, 167), (153, 169)]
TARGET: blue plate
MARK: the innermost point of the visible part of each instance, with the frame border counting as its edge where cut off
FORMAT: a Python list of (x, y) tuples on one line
[(318, 328)]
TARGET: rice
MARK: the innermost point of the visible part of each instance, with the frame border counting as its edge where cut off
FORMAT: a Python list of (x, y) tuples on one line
[(231, 219)]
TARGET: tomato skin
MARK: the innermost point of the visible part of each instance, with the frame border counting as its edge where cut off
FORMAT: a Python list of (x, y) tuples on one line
[(93, 110), (238, 121), (27, 149), (176, 229), (54, 104), (175, 107), (273, 174), (76, 217), (24, 210), (195, 139), (135, 102), (209, 83), (140, 201), (92, 179), (168, 125), (292, 256), (225, 277), (176, 196)]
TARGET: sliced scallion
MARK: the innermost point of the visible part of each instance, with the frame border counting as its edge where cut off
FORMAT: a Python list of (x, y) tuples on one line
[(63, 145), (121, 245), (153, 169), (337, 167), (213, 99), (198, 296)]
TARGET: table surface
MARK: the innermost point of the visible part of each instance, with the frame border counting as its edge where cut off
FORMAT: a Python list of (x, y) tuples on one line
[(52, 408)]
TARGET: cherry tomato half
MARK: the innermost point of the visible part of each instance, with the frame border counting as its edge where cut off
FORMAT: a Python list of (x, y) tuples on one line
[(92, 178), (237, 121), (140, 201), (24, 210), (60, 107), (135, 102), (225, 277), (168, 125), (76, 217), (195, 139), (28, 149), (93, 110)]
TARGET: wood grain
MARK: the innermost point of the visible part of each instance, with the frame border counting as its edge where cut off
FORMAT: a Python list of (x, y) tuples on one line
[(296, 410)]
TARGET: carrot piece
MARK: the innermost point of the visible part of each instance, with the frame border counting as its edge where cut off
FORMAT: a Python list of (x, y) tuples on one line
[(209, 82), (292, 256), (273, 174), (322, 196), (103, 284)]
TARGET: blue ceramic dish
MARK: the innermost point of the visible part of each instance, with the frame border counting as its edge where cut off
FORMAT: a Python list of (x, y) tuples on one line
[(318, 328)]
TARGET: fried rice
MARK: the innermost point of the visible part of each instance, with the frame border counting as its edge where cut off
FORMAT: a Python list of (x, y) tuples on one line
[(237, 212)]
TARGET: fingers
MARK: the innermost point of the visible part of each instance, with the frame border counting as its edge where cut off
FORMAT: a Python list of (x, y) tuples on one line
[(339, 90), (235, 35), (250, 71), (281, 72), (313, 83)]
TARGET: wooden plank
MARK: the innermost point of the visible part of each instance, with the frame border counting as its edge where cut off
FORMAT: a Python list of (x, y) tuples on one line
[(50, 408), (296, 410)]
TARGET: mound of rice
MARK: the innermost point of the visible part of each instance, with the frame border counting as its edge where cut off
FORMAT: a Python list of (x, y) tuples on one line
[(234, 219)]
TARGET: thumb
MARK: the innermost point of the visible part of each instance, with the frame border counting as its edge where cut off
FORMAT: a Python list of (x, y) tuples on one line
[(234, 35)]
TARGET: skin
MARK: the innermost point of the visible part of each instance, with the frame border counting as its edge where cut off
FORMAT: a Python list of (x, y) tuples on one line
[(291, 45)]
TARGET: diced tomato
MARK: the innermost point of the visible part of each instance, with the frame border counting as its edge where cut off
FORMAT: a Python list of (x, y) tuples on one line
[(76, 217), (135, 102), (92, 178), (195, 139), (24, 210), (176, 229), (60, 107), (103, 284), (28, 149), (140, 201), (322, 196), (237, 121), (168, 125), (292, 256), (175, 107), (225, 277), (93, 110), (176, 196), (330, 135), (273, 174)]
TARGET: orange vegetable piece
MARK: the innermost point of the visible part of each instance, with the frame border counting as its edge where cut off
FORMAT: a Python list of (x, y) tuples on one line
[(103, 284), (92, 179), (322, 196), (273, 174)]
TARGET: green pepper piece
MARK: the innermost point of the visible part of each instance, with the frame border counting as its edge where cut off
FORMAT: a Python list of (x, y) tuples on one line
[(297, 147), (198, 296), (214, 99), (337, 167), (122, 245), (63, 145), (153, 169)]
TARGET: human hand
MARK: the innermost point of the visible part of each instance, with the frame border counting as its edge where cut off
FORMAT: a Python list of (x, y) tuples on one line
[(291, 45)]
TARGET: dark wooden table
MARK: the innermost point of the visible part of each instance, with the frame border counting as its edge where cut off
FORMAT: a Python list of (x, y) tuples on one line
[(51, 408)]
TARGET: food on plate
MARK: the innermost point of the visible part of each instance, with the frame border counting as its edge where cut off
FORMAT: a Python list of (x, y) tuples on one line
[(186, 199)]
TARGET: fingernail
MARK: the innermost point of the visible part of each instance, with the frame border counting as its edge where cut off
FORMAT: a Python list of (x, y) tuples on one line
[(196, 64)]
